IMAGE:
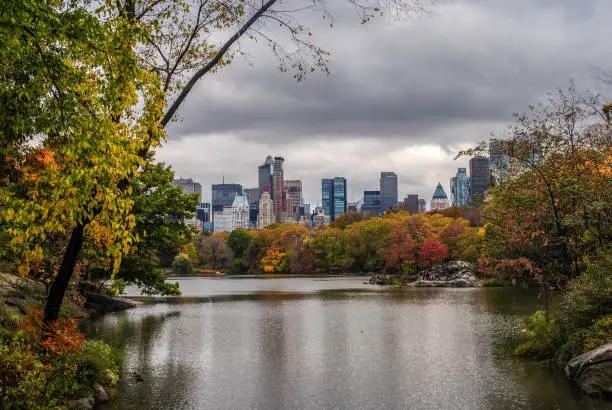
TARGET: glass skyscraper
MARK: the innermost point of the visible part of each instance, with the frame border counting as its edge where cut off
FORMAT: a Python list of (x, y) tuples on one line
[(333, 196), (223, 195), (388, 191), (371, 202), (479, 178), (460, 188)]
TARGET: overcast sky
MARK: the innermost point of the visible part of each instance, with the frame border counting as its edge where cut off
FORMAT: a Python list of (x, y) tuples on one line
[(401, 96)]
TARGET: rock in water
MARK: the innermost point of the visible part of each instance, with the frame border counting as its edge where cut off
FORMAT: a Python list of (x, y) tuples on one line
[(592, 370), (100, 394), (455, 274)]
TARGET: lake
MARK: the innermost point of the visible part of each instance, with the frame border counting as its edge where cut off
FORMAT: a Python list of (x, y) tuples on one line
[(330, 343)]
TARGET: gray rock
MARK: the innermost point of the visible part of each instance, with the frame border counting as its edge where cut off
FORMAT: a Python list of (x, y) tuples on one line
[(103, 304), (456, 274), (86, 403), (592, 370), (100, 394)]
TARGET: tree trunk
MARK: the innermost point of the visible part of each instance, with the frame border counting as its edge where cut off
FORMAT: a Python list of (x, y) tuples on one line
[(62, 280)]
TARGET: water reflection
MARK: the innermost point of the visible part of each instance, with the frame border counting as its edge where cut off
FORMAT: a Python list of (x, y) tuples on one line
[(341, 346)]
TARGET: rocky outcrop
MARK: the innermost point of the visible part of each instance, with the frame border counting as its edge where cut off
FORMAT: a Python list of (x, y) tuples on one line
[(455, 274), (98, 303), (20, 295), (592, 370)]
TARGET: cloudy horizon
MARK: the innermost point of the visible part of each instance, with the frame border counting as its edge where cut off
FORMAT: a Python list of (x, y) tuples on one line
[(401, 96)]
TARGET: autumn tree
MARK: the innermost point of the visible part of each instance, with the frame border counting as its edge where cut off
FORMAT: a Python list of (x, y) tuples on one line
[(552, 212), (214, 251)]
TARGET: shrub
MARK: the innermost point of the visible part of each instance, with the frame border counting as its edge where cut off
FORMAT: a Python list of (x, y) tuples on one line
[(99, 363), (542, 336)]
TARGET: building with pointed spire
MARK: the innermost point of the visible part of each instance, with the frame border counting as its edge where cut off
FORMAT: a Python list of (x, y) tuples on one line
[(439, 200), (240, 212)]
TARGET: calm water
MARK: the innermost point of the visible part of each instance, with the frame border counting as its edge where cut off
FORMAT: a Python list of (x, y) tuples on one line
[(331, 343)]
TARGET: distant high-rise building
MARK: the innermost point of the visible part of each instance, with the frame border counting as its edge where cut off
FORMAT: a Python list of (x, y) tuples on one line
[(411, 203), (265, 176), (479, 178), (498, 162), (203, 212), (327, 193), (333, 197), (223, 195), (319, 218), (352, 206), (340, 202), (293, 199), (388, 190), (266, 211), (189, 186), (460, 188), (277, 188), (439, 200), (222, 220), (252, 194), (240, 213), (371, 202), (422, 205)]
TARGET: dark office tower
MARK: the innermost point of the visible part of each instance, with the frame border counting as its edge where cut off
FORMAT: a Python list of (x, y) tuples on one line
[(223, 195), (265, 176), (371, 202), (277, 188), (327, 194), (340, 203), (388, 191), (252, 194), (479, 179), (411, 203)]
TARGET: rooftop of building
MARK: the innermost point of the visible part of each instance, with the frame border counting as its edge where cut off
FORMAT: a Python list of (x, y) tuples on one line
[(439, 193), (240, 199)]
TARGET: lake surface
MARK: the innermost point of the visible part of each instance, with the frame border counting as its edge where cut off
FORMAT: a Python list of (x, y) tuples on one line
[(332, 343)]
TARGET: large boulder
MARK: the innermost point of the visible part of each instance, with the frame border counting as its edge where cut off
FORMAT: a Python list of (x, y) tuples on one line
[(99, 303), (592, 370), (455, 274)]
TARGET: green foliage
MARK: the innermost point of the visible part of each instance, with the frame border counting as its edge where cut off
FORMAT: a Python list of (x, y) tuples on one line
[(238, 241), (542, 336), (239, 266), (100, 363), (182, 265)]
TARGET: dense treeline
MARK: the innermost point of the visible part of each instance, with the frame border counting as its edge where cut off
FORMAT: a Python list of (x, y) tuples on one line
[(394, 243)]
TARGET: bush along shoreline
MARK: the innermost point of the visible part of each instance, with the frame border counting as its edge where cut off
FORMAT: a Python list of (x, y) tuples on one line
[(578, 338), (50, 366)]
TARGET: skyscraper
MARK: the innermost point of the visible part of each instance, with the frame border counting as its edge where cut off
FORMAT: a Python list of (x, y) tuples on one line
[(422, 205), (266, 211), (333, 196), (293, 198), (371, 202), (223, 195), (340, 203), (411, 203), (277, 188), (388, 190), (439, 199), (189, 186), (264, 176), (479, 178), (252, 194), (460, 188), (498, 162), (240, 213), (327, 193)]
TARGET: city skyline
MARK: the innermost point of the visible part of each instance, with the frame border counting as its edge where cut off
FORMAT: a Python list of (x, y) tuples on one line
[(409, 107)]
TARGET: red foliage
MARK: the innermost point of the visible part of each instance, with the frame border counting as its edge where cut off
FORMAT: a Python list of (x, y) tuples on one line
[(58, 338), (432, 252)]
